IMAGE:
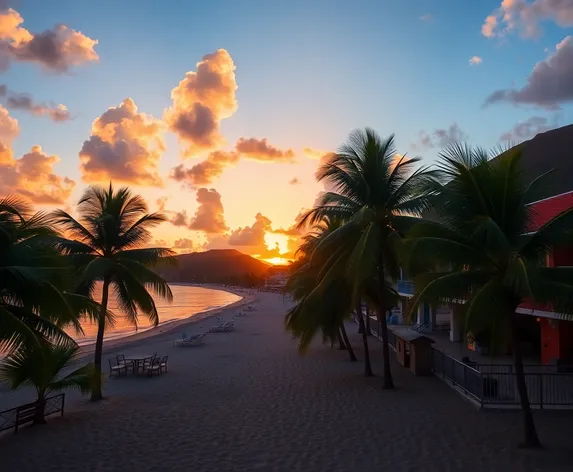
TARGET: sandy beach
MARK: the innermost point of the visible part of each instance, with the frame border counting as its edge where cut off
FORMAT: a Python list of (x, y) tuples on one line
[(248, 401)]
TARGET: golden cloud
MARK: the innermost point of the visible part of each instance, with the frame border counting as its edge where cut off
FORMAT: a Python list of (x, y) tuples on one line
[(209, 216), (32, 177), (125, 146), (261, 150), (56, 49), (201, 100), (205, 172), (9, 128)]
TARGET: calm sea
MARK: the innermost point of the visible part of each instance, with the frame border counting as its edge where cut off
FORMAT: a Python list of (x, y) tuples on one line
[(187, 301)]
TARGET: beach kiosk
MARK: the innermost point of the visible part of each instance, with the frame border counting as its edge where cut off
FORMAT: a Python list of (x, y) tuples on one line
[(413, 350)]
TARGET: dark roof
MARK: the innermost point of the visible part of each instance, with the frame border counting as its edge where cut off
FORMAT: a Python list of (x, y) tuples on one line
[(549, 151), (409, 335)]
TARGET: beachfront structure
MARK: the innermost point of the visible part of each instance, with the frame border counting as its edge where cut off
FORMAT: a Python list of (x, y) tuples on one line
[(547, 335)]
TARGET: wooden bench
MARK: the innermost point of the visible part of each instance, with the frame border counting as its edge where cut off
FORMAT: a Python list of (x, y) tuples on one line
[(24, 414)]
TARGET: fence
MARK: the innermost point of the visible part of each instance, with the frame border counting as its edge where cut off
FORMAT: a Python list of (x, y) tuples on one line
[(495, 385), (15, 417)]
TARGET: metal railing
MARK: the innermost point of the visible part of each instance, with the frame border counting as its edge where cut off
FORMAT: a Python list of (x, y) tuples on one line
[(495, 385), (23, 414)]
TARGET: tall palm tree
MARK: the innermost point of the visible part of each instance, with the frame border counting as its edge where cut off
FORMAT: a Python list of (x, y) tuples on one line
[(34, 303), (39, 365), (484, 251), (377, 194), (107, 246)]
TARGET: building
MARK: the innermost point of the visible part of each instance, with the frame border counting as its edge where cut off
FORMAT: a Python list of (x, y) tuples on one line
[(547, 336)]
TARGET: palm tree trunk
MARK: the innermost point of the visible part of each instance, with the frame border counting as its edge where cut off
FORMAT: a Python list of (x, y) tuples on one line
[(341, 343), (96, 387), (530, 432), (39, 411), (388, 381), (347, 342), (367, 365), (368, 330)]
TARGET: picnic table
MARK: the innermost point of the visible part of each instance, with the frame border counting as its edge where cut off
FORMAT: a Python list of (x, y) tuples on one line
[(138, 360)]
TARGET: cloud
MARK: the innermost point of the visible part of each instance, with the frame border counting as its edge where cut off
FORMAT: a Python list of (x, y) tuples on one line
[(55, 49), (427, 17), (205, 172), (125, 146), (475, 61), (179, 218), (9, 128), (294, 181), (25, 102), (209, 216), (525, 16), (549, 84), (32, 177), (489, 26), (439, 138), (183, 245), (312, 153), (527, 129), (201, 100), (251, 235), (249, 239), (176, 218), (161, 202), (261, 150)]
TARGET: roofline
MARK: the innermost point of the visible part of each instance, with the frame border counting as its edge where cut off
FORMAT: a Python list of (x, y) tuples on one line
[(550, 198)]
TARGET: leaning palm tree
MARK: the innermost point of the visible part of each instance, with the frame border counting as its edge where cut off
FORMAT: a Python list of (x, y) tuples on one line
[(34, 303), (320, 307), (486, 251), (107, 246), (39, 365), (377, 194)]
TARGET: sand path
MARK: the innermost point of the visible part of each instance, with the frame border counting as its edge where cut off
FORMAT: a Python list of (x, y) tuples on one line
[(246, 401)]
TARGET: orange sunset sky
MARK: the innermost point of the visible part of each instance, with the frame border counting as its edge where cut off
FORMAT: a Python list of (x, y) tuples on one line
[(220, 112)]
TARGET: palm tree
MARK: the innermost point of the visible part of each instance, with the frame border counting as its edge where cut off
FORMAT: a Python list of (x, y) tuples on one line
[(320, 307), (38, 365), (377, 194), (107, 246), (34, 303), (483, 251)]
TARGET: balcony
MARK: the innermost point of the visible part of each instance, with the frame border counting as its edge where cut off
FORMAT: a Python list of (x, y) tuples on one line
[(405, 287)]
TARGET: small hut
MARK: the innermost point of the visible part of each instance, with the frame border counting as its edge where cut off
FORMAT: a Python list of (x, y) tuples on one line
[(414, 350)]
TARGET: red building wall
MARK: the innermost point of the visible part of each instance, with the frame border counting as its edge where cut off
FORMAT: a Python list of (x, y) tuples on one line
[(556, 335)]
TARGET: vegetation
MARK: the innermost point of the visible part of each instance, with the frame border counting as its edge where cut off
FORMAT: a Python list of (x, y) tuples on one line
[(34, 303), (483, 251), (107, 245), (322, 303), (376, 196), (39, 365)]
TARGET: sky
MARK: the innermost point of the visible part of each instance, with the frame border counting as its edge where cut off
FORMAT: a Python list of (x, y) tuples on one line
[(218, 113)]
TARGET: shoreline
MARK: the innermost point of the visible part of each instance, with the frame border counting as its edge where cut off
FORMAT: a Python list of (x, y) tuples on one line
[(114, 343)]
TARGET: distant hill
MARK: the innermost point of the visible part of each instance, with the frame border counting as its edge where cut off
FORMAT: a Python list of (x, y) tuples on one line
[(215, 266), (549, 151)]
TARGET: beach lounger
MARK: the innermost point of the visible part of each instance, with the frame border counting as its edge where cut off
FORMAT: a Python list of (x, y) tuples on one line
[(191, 341), (225, 327)]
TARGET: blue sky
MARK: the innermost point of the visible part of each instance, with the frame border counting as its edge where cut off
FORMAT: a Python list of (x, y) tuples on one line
[(308, 72)]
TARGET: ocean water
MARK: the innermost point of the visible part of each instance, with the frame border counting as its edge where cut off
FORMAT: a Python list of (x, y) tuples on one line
[(187, 301)]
